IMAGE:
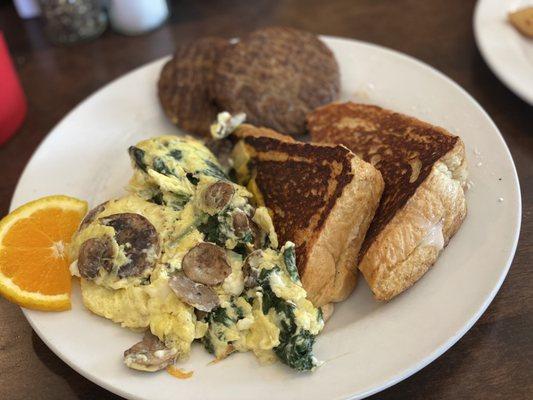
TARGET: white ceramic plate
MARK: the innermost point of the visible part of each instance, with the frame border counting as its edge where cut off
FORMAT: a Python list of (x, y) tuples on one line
[(367, 346), (507, 52)]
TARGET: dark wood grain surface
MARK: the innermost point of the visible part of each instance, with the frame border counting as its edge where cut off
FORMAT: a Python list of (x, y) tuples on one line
[(492, 361)]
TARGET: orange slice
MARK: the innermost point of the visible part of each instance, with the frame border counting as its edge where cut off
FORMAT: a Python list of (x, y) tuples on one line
[(34, 265)]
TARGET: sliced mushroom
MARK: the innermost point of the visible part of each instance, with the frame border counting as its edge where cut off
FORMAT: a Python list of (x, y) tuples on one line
[(195, 294), (91, 215), (218, 195), (150, 354), (140, 240), (95, 253), (240, 223), (251, 274), (200, 315), (206, 263), (258, 235)]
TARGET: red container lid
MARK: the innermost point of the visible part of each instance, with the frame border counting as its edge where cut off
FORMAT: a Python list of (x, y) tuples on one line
[(13, 104)]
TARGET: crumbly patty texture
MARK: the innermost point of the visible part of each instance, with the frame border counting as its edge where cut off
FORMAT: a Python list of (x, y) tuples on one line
[(276, 76), (185, 81)]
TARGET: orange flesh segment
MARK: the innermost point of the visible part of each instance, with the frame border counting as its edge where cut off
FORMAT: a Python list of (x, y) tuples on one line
[(33, 252), (36, 269), (23, 233), (58, 224)]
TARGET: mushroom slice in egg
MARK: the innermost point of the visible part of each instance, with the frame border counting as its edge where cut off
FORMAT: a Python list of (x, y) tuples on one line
[(240, 223), (218, 195), (206, 263), (195, 294), (140, 240), (150, 354), (95, 253), (91, 215), (249, 271)]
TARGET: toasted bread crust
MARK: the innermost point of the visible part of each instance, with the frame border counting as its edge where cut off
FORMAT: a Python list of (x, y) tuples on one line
[(402, 252), (401, 147), (323, 199), (279, 170), (397, 250), (246, 130), (330, 272)]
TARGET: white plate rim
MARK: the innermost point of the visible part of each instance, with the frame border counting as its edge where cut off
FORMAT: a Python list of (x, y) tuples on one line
[(408, 371)]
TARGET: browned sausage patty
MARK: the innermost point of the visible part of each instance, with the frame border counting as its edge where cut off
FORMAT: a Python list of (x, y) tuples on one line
[(184, 85), (276, 76)]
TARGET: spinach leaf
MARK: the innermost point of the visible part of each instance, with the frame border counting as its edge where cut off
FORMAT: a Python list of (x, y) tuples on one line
[(240, 313), (157, 198), (289, 256), (215, 334), (220, 316), (178, 201), (296, 345), (214, 171), (296, 349), (241, 249), (176, 154), (211, 230), (161, 167), (137, 156), (219, 227), (208, 344), (269, 300), (192, 178)]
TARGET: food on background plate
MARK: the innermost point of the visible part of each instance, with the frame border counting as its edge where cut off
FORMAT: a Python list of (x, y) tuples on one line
[(188, 257), (423, 204), (275, 75), (522, 20), (322, 197), (33, 243), (185, 81)]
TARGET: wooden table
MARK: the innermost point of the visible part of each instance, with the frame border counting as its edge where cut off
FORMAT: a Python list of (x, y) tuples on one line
[(493, 360)]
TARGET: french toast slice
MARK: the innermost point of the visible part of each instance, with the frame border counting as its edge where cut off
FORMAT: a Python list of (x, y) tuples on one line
[(321, 197), (423, 204)]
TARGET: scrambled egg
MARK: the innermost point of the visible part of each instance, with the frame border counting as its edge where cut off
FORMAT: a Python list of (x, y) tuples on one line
[(272, 311), (187, 256)]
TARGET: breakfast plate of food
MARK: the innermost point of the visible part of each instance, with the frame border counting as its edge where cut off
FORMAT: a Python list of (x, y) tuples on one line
[(278, 216), (504, 35)]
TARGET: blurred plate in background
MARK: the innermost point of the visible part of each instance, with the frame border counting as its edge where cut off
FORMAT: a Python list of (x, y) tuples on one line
[(507, 52)]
